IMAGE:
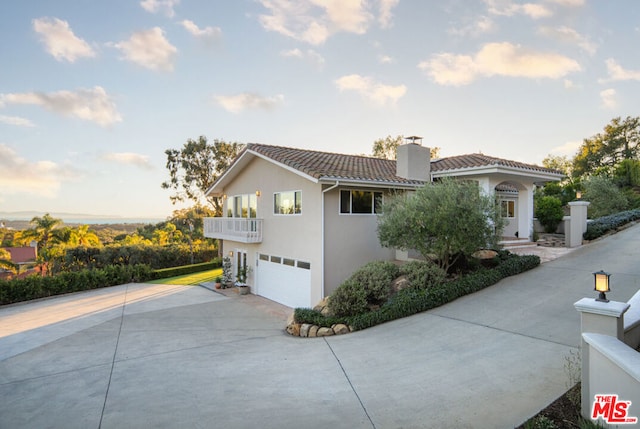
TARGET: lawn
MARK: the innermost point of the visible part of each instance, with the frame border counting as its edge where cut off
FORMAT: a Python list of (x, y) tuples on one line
[(190, 279)]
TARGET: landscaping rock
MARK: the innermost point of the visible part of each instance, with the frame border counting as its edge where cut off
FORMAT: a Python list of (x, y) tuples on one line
[(400, 283), (340, 329), (304, 329), (485, 254), (293, 329), (323, 307), (325, 332), (313, 331)]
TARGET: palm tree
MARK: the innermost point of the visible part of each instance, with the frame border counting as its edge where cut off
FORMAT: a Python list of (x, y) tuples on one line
[(5, 261), (82, 236), (44, 232)]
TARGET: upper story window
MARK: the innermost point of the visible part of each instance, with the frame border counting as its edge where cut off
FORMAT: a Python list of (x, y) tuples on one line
[(360, 202), (242, 206), (287, 203)]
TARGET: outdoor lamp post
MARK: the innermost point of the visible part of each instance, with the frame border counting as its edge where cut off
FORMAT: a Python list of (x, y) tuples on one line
[(601, 284), (578, 195)]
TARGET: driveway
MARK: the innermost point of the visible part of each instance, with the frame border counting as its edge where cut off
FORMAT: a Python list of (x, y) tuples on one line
[(155, 356)]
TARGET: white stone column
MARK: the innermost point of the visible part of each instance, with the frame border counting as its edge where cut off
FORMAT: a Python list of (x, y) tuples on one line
[(578, 223), (600, 318)]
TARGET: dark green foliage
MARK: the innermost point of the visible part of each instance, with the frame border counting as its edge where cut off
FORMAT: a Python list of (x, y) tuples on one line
[(34, 287), (549, 212), (422, 275), (605, 197), (410, 301), (602, 225), (156, 257), (369, 286)]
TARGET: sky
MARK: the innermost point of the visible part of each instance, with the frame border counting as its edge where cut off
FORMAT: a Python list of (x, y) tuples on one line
[(92, 93)]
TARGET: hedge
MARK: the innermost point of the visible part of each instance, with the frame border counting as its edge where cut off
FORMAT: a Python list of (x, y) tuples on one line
[(600, 226), (411, 301), (36, 286)]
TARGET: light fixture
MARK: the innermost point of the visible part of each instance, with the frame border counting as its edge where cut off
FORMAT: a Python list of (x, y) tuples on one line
[(257, 193), (224, 196), (578, 195), (601, 284), (231, 253)]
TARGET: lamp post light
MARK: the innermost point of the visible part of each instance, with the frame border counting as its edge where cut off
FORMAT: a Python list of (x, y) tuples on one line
[(601, 285)]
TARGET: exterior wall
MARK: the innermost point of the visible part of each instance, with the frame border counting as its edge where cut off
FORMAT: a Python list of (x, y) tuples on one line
[(351, 240), (290, 236)]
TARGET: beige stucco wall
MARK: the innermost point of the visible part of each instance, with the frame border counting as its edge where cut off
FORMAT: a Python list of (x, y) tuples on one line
[(289, 236), (350, 241)]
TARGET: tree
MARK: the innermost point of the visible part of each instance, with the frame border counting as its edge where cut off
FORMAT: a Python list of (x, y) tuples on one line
[(42, 231), (5, 261), (386, 148), (442, 221), (605, 197), (196, 166), (83, 236), (549, 212), (601, 153)]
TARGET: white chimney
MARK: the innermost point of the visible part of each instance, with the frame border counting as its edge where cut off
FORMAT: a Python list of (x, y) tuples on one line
[(413, 161)]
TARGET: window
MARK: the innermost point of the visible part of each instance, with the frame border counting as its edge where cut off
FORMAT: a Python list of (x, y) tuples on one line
[(264, 257), (508, 208), (360, 202), (245, 205), (304, 265), (289, 262), (287, 203)]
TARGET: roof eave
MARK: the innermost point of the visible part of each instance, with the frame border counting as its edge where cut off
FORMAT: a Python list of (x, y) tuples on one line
[(370, 183), (500, 169)]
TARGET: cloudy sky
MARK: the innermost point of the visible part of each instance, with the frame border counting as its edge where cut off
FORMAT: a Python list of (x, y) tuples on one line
[(93, 92)]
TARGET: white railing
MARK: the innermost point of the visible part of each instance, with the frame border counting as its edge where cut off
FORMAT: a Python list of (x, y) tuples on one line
[(242, 230)]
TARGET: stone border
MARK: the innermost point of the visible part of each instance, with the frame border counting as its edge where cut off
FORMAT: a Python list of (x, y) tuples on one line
[(308, 330)]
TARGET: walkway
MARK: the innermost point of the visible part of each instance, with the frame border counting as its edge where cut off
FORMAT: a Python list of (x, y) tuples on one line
[(153, 356)]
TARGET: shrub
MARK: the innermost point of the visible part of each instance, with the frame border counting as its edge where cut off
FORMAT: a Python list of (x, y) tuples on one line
[(602, 225), (422, 275), (605, 197), (549, 212), (411, 300), (370, 285)]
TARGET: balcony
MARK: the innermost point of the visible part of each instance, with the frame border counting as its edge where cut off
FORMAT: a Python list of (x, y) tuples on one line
[(242, 230)]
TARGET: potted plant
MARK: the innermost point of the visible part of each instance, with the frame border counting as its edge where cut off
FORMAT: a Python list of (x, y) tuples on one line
[(227, 276), (218, 281), (241, 280)]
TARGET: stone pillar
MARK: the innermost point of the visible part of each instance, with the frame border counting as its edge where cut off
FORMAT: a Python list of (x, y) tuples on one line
[(578, 223), (600, 318)]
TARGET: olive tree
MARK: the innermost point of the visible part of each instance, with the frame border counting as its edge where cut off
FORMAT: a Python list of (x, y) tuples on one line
[(442, 221)]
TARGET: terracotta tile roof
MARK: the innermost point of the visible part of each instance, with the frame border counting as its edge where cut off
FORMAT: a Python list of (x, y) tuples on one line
[(480, 160), (20, 255), (326, 165)]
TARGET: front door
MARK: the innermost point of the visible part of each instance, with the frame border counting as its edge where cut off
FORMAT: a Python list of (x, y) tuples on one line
[(241, 261)]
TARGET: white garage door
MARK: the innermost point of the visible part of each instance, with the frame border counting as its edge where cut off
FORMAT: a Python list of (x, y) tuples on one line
[(284, 280)]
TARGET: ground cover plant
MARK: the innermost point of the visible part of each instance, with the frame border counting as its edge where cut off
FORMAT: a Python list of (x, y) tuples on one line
[(360, 304), (599, 227)]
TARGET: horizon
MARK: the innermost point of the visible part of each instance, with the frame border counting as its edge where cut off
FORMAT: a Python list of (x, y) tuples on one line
[(97, 92)]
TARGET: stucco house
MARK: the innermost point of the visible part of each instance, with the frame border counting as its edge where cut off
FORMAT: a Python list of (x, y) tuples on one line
[(304, 220)]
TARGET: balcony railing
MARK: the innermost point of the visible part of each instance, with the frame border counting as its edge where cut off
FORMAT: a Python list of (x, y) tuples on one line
[(242, 230)]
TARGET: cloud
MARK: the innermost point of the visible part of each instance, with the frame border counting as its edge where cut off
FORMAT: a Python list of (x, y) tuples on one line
[(155, 6), (501, 59), (245, 101), (569, 148), (508, 8), (314, 21), (149, 49), (616, 72), (385, 59), (20, 176), (15, 120), (60, 41), (129, 158), (385, 15), (309, 55), (207, 34), (608, 98), (569, 35), (379, 93), (568, 3), (481, 25), (93, 104)]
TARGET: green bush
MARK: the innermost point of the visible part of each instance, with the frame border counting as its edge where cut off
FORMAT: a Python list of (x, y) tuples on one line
[(411, 300), (34, 287), (369, 286), (602, 225), (549, 212), (605, 197), (421, 275)]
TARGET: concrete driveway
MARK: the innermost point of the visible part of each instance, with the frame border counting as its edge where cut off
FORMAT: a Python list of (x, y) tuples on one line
[(155, 356)]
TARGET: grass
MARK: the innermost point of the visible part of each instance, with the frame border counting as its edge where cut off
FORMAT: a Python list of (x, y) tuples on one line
[(190, 279)]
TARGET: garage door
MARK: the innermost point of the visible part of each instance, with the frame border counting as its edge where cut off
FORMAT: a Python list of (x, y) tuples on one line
[(284, 280)]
